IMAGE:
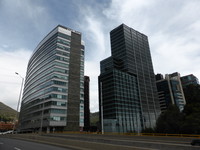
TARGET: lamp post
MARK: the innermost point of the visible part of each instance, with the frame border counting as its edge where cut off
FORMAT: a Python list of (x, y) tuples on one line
[(19, 97), (20, 90)]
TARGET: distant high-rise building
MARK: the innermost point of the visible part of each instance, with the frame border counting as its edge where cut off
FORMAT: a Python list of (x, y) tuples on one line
[(53, 97), (159, 77), (189, 79), (170, 91), (86, 103), (127, 88)]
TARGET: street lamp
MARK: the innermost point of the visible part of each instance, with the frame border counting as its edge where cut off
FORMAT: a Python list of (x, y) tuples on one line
[(19, 97)]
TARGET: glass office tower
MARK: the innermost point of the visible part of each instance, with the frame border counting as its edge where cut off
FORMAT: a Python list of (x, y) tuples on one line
[(131, 57), (53, 98), (170, 91), (189, 79), (121, 103)]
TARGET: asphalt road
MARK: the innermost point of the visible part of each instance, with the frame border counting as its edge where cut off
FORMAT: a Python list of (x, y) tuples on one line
[(13, 144), (101, 142), (137, 142)]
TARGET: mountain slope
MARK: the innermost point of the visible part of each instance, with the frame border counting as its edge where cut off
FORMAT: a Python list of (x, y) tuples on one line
[(7, 113), (94, 118)]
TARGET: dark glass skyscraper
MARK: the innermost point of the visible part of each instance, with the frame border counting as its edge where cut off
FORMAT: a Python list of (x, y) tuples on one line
[(86, 103), (53, 97), (127, 83)]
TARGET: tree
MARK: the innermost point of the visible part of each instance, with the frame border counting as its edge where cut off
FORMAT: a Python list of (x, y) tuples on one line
[(191, 112), (148, 130), (169, 121), (192, 94), (5, 118), (191, 124), (188, 121)]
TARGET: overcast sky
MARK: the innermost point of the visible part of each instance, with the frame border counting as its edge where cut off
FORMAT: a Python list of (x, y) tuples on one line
[(172, 26)]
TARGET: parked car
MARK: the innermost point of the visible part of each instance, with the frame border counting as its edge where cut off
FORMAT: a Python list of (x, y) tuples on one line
[(195, 142), (7, 132)]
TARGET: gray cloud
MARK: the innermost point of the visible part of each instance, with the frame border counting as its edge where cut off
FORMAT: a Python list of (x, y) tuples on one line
[(10, 83), (21, 22), (173, 29)]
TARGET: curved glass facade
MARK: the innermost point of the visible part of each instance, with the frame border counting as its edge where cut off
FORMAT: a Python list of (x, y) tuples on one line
[(56, 66)]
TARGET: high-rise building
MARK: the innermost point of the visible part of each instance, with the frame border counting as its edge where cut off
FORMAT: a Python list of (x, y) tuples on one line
[(170, 91), (127, 85), (53, 97), (189, 79), (86, 103)]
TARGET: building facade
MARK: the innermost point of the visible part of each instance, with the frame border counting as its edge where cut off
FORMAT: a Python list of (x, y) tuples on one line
[(53, 97), (189, 79), (128, 94), (86, 103), (170, 91)]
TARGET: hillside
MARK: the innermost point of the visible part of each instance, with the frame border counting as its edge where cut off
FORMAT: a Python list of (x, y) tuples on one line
[(7, 113), (94, 118)]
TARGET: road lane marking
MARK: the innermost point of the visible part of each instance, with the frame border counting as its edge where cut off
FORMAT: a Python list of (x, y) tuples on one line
[(1, 143), (155, 142), (141, 141), (130, 140), (113, 145), (17, 148)]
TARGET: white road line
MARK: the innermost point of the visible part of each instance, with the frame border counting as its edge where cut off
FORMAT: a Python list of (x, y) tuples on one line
[(17, 148), (1, 143), (176, 143), (154, 142)]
